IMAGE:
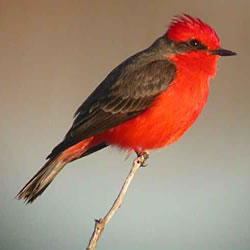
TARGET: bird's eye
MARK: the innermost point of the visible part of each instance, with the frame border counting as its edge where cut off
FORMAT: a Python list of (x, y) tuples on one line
[(196, 44)]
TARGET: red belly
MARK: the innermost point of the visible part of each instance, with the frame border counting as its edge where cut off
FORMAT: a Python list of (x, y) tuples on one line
[(172, 113)]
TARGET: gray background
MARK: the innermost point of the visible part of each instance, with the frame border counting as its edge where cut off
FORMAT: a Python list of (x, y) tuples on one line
[(193, 195)]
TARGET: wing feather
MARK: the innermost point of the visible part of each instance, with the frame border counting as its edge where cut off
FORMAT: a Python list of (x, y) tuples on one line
[(125, 93)]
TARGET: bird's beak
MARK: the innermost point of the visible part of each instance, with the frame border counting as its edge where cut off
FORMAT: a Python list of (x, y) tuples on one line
[(223, 52)]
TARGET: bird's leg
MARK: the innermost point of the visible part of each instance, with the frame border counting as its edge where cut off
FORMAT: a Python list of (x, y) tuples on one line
[(142, 157)]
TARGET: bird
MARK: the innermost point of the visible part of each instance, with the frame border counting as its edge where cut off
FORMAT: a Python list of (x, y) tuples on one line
[(146, 103)]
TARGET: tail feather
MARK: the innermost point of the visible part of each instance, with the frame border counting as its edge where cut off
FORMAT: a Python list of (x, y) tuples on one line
[(41, 180), (54, 165)]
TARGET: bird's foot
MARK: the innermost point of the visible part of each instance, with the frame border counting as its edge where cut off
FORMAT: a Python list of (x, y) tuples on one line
[(142, 157)]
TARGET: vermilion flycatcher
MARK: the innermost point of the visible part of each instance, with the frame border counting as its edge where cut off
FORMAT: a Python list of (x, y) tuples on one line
[(147, 102)]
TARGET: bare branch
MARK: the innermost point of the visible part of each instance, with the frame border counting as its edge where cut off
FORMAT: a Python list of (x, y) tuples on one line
[(101, 223)]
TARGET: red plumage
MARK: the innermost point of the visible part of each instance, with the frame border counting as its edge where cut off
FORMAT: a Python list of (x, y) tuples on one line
[(146, 103)]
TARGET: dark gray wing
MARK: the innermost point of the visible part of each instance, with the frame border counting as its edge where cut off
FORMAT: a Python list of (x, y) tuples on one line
[(123, 95)]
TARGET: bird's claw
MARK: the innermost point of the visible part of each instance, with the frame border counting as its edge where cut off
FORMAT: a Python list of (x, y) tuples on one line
[(142, 157)]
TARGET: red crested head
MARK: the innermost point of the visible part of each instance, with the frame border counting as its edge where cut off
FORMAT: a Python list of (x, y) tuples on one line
[(185, 27)]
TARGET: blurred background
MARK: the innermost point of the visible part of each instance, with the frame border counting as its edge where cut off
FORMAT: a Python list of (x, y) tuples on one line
[(193, 195)]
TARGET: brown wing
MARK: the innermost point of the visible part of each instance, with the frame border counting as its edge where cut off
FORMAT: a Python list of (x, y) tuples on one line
[(123, 95)]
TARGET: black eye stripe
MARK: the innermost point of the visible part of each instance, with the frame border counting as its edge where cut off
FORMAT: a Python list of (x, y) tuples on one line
[(194, 43), (187, 46)]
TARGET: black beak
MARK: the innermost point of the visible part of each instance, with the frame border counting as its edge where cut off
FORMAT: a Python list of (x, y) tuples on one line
[(223, 52)]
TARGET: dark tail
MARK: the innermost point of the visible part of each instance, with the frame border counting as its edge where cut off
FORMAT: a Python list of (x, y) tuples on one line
[(48, 172), (41, 180)]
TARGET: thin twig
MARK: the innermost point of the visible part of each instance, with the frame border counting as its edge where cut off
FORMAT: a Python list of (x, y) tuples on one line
[(101, 223)]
